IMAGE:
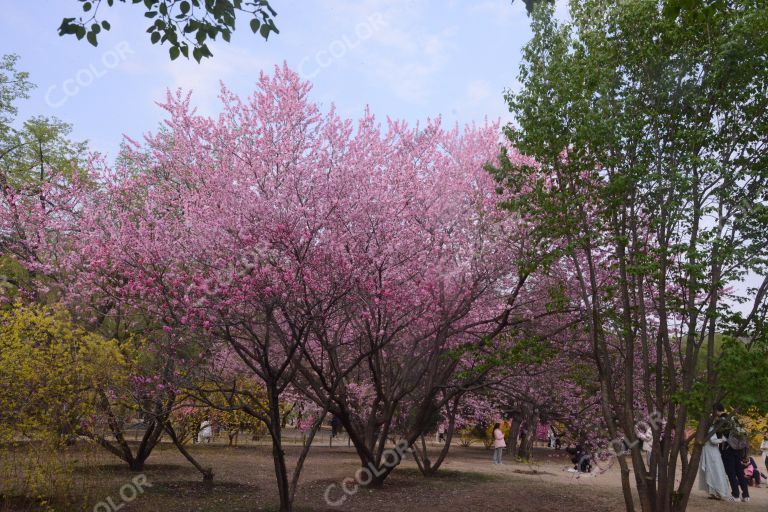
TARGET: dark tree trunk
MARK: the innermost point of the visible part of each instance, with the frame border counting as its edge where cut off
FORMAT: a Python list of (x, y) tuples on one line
[(526, 444), (278, 455), (514, 432)]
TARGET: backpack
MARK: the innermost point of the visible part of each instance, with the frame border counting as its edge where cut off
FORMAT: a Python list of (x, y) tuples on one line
[(737, 440)]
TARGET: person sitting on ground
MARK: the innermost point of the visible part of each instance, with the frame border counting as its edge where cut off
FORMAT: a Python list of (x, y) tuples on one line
[(751, 471), (580, 458)]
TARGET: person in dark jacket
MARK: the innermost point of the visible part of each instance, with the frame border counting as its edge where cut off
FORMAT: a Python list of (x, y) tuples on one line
[(731, 456), (334, 426), (580, 458)]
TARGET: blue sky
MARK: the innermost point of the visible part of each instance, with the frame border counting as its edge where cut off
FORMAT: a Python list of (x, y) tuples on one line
[(406, 59)]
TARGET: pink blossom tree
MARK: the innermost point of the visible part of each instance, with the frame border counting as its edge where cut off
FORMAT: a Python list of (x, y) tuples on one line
[(333, 258)]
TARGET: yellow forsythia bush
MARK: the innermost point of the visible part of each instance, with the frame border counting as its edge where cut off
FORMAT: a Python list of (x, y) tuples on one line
[(48, 370)]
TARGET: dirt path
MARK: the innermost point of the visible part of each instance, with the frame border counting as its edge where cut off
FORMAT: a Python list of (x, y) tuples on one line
[(550, 468), (244, 481)]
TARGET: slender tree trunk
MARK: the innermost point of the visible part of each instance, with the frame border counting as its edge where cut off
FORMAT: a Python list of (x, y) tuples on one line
[(526, 444), (278, 455), (514, 432), (206, 472), (425, 467)]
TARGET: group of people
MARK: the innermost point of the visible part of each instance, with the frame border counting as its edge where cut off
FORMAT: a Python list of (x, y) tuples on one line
[(579, 455), (726, 469), (582, 462)]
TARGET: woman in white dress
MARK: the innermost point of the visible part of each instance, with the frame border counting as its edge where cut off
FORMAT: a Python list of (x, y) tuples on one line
[(205, 433), (712, 477)]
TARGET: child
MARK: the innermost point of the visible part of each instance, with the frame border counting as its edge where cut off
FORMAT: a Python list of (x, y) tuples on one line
[(751, 472)]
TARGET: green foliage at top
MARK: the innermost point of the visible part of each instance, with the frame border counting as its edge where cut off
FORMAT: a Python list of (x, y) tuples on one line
[(42, 145), (184, 24)]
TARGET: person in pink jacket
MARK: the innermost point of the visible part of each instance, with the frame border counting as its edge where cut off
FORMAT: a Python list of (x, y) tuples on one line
[(498, 443)]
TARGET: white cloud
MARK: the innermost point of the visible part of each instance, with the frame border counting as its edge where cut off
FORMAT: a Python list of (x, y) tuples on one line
[(410, 73), (406, 52)]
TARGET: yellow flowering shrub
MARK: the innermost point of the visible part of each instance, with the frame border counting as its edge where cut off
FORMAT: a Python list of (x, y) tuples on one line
[(49, 368)]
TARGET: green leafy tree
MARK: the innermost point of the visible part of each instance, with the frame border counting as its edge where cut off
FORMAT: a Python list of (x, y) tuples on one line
[(184, 24), (14, 85), (650, 130), (31, 154), (40, 148)]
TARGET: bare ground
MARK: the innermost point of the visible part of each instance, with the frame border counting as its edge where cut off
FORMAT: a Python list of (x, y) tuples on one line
[(468, 481)]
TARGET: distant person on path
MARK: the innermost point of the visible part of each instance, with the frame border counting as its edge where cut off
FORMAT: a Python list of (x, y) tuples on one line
[(552, 434), (498, 443), (441, 433), (732, 450), (205, 433), (764, 450), (645, 435), (334, 426)]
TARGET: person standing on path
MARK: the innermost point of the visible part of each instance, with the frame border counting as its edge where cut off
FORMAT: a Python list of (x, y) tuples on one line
[(764, 450), (205, 433), (498, 443), (712, 477), (645, 435), (441, 433), (731, 454), (334, 426)]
